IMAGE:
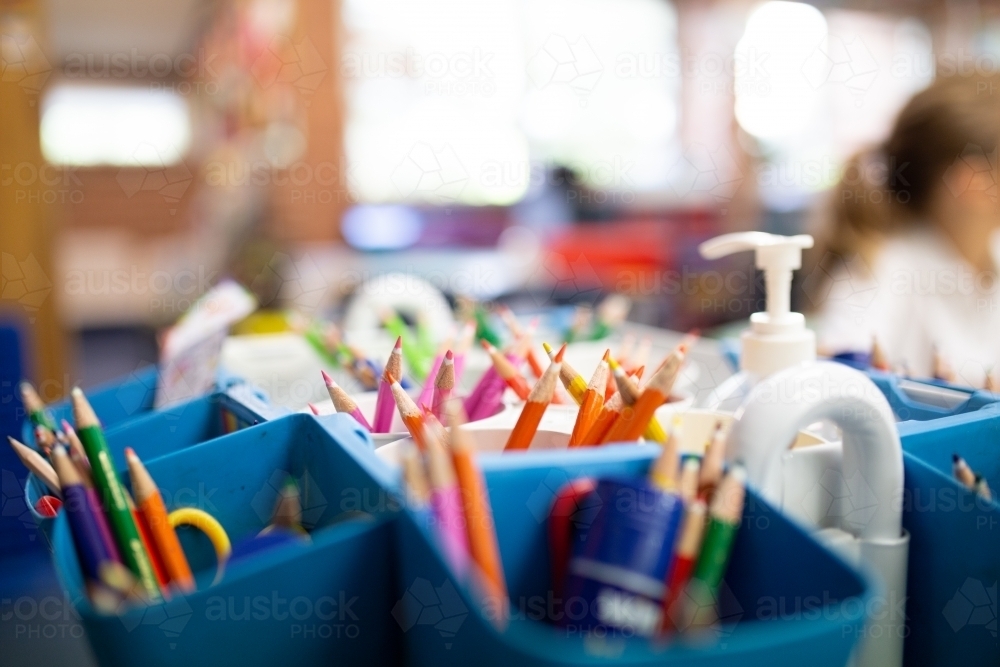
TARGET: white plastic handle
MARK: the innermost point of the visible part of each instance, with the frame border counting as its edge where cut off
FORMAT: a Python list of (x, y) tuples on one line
[(784, 403)]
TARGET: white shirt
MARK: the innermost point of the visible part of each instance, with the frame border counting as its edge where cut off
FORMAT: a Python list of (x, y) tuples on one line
[(919, 293)]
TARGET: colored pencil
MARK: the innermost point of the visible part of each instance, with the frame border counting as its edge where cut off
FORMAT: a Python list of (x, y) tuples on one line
[(641, 419), (410, 413), (712, 463), (415, 475), (37, 464), (690, 469), (685, 558), (480, 528), (878, 359), (508, 372), (342, 402), (573, 381), (725, 513), (471, 402), (82, 514), (382, 422), (446, 503), (313, 409), (962, 472), (426, 396), (982, 489), (35, 407), (593, 401), (605, 419), (444, 384), (154, 513), (76, 451), (45, 439), (538, 400), (663, 474), (112, 494), (288, 507)]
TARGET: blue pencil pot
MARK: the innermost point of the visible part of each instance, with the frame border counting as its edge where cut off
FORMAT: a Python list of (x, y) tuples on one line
[(320, 603), (786, 600), (617, 571), (159, 432), (954, 541)]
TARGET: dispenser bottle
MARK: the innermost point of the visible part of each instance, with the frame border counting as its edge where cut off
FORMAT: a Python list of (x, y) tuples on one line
[(777, 338)]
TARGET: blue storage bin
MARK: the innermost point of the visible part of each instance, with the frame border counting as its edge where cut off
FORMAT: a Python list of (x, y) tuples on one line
[(323, 603), (776, 569), (922, 400), (954, 541), (122, 399), (159, 432)]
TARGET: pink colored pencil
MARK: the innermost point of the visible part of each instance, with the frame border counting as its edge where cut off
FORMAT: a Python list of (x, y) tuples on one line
[(385, 404), (446, 504), (342, 402), (427, 391), (444, 384)]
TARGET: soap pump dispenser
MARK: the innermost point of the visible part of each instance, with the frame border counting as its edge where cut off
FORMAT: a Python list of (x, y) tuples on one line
[(777, 338)]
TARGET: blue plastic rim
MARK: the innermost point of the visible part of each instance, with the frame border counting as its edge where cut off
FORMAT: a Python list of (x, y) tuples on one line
[(787, 600), (954, 561), (324, 603), (917, 400), (160, 432)]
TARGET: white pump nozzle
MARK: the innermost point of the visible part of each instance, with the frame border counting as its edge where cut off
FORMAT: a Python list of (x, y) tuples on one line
[(777, 338)]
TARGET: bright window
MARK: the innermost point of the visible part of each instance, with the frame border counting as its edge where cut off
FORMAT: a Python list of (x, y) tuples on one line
[(824, 86), (452, 101), (114, 125)]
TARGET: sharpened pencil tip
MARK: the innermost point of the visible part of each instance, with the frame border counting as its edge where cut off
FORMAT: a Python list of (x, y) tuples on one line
[(399, 343), (314, 409), (327, 379), (559, 355), (449, 355)]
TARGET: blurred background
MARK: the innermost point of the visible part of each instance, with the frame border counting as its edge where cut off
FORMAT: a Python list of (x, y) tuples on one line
[(537, 153)]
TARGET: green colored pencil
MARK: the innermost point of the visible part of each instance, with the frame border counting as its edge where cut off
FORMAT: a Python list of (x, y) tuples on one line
[(112, 494)]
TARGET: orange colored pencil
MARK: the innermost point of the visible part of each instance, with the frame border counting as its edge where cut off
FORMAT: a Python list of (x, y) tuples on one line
[(628, 391), (593, 401), (408, 410), (640, 418), (609, 413), (539, 399), (507, 371), (154, 513), (478, 514)]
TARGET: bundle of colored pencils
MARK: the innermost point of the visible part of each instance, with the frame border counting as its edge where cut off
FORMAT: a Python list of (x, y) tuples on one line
[(128, 550), (713, 507), (445, 489)]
